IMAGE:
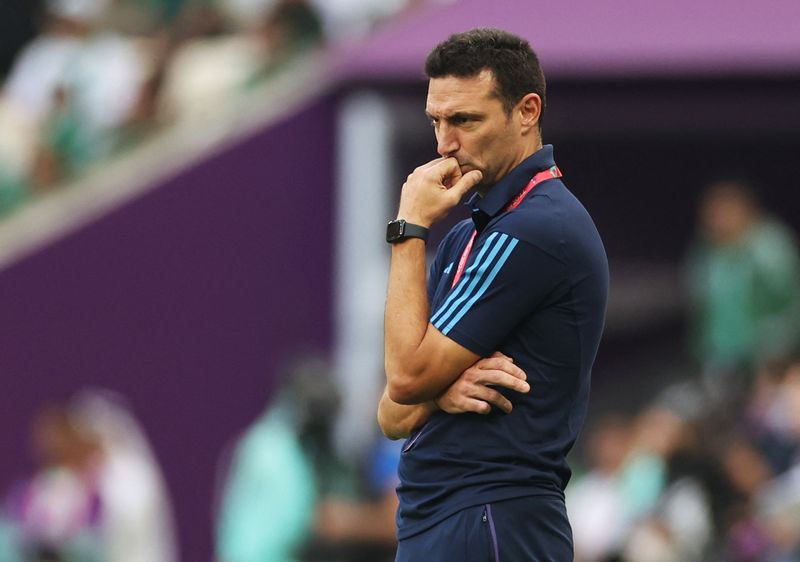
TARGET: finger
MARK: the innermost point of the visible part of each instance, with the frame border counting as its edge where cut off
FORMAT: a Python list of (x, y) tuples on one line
[(447, 167), (463, 404), (448, 172), (466, 183), (504, 379), (476, 406), (430, 164), (502, 364), (493, 397)]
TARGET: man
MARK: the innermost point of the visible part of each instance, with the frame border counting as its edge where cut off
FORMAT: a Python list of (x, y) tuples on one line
[(743, 274), (488, 370)]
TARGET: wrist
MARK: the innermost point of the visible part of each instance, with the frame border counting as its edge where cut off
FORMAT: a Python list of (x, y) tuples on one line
[(401, 230), (413, 214), (411, 219)]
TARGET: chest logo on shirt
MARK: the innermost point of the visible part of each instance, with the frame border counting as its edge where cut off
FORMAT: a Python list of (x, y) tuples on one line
[(449, 268)]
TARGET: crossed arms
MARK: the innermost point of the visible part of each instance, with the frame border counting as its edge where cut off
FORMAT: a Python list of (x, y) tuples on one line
[(426, 370)]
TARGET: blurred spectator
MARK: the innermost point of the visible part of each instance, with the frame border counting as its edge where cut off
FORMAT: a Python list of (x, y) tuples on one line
[(749, 473), (56, 514), (68, 91), (681, 483), (596, 501), (744, 282), (137, 520), (352, 19), (292, 27), (773, 414), (285, 466), (97, 494), (207, 66), (778, 512), (281, 465), (81, 90), (349, 19), (220, 58), (365, 530)]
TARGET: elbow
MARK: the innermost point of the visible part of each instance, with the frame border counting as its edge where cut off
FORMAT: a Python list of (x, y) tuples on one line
[(404, 389), (401, 393), (408, 382), (391, 427), (397, 380), (401, 383), (390, 431)]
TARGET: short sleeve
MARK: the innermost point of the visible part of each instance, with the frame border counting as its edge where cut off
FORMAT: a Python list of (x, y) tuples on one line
[(503, 283), (434, 274)]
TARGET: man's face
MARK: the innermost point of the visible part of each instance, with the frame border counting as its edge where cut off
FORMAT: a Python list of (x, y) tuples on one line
[(725, 216), (472, 126)]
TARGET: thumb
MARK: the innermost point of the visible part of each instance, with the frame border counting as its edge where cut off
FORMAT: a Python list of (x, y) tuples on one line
[(467, 182)]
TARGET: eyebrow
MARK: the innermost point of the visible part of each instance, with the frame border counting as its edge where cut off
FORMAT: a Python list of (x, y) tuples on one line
[(456, 115)]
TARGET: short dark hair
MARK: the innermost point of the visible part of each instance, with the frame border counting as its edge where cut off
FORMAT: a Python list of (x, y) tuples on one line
[(510, 58)]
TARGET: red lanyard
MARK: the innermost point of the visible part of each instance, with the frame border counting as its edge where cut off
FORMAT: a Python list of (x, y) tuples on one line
[(548, 174)]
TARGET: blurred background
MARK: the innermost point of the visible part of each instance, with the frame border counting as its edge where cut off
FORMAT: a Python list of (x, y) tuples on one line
[(193, 197)]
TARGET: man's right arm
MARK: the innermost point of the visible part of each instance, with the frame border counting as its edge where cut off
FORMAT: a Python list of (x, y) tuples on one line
[(472, 392)]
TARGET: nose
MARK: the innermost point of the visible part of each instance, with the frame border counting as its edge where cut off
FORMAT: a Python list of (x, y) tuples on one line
[(446, 141)]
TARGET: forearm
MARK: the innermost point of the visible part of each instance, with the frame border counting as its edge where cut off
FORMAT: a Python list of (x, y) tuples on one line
[(406, 318), (397, 421)]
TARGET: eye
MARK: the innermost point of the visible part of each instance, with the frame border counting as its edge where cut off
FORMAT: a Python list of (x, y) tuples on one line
[(434, 122)]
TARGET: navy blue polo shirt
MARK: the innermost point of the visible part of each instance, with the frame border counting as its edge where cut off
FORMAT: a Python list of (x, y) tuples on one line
[(534, 288)]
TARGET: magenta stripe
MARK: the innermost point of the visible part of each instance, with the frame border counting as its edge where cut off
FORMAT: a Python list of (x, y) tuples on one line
[(494, 534)]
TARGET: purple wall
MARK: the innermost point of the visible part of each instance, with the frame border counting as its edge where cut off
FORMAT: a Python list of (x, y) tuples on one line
[(184, 301), (585, 38)]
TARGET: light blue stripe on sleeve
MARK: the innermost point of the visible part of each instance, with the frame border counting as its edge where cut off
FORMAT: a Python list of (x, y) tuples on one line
[(483, 288), (465, 280), (473, 280)]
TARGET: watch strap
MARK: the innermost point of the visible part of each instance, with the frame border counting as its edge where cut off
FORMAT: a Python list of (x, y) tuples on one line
[(399, 230), (415, 231)]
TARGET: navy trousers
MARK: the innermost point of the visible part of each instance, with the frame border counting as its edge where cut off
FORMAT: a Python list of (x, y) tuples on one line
[(529, 529)]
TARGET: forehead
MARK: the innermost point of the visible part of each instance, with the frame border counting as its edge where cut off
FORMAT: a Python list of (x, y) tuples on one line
[(451, 94)]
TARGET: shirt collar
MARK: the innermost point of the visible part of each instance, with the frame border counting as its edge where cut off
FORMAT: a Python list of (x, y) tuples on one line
[(513, 183)]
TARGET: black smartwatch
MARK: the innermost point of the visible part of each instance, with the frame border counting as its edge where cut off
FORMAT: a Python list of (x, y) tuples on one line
[(399, 230)]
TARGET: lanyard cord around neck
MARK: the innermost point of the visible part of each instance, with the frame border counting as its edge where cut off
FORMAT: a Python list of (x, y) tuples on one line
[(549, 174)]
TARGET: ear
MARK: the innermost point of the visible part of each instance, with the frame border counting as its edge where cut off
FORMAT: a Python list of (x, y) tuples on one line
[(530, 109)]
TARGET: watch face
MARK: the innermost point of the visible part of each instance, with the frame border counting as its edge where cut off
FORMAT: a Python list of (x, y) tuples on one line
[(394, 231)]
